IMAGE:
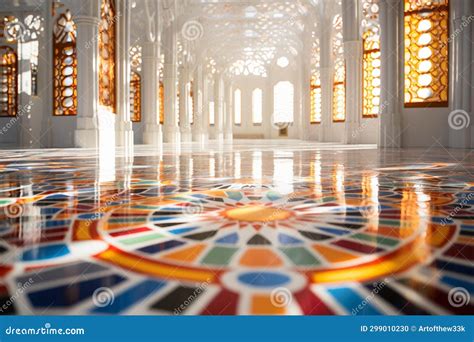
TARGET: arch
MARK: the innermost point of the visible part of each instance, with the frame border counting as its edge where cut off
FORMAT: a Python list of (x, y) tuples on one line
[(9, 81), (107, 53), (64, 66)]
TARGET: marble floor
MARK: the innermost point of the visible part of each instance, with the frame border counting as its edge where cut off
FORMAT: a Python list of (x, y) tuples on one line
[(253, 227)]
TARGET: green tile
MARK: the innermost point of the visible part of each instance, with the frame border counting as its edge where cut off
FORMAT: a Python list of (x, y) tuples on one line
[(392, 223), (379, 240), (300, 256), (219, 256), (141, 239)]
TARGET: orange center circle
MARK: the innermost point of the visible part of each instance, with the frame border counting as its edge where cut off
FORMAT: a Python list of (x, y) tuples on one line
[(257, 213)]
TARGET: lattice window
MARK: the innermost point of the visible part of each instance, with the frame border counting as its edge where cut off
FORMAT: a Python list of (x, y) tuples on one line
[(65, 66), (316, 100), (162, 102), (426, 53), (371, 59), (339, 86), (8, 82), (107, 36), (257, 106), (283, 102), (136, 96)]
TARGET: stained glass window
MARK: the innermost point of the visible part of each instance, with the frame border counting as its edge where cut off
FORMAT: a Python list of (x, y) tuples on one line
[(107, 35), (190, 99), (65, 66), (136, 96), (8, 82), (426, 53), (316, 98), (339, 86), (162, 102), (371, 59)]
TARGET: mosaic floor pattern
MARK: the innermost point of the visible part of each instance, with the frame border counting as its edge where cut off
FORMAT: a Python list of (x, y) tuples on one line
[(253, 228)]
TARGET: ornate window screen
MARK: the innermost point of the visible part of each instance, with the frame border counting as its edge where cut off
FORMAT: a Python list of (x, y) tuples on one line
[(107, 36), (8, 82), (65, 66), (339, 86), (426, 53), (136, 96), (371, 59), (316, 98), (162, 102)]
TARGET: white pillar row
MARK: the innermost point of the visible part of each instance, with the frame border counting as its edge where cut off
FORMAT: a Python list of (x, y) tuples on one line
[(391, 91), (123, 127), (171, 129), (306, 87), (229, 111), (326, 73), (87, 24), (218, 108), (200, 133), (460, 133), (184, 108), (353, 59)]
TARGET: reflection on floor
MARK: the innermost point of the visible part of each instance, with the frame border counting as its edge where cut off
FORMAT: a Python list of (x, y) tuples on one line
[(253, 228)]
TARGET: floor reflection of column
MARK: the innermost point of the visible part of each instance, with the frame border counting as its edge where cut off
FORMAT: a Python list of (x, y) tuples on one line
[(257, 167), (237, 165)]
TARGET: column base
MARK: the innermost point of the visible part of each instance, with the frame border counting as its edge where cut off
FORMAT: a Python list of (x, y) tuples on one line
[(86, 138), (172, 135), (201, 138), (351, 133), (229, 137), (186, 136), (219, 137), (153, 135), (124, 134)]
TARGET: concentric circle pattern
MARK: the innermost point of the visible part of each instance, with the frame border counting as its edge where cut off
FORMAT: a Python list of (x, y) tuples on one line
[(309, 233)]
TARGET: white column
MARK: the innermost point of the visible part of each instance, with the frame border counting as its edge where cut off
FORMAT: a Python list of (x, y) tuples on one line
[(219, 108), (87, 24), (229, 112), (460, 133), (201, 107), (152, 134), (327, 80), (123, 129), (184, 108), (391, 54), (353, 58), (171, 129)]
